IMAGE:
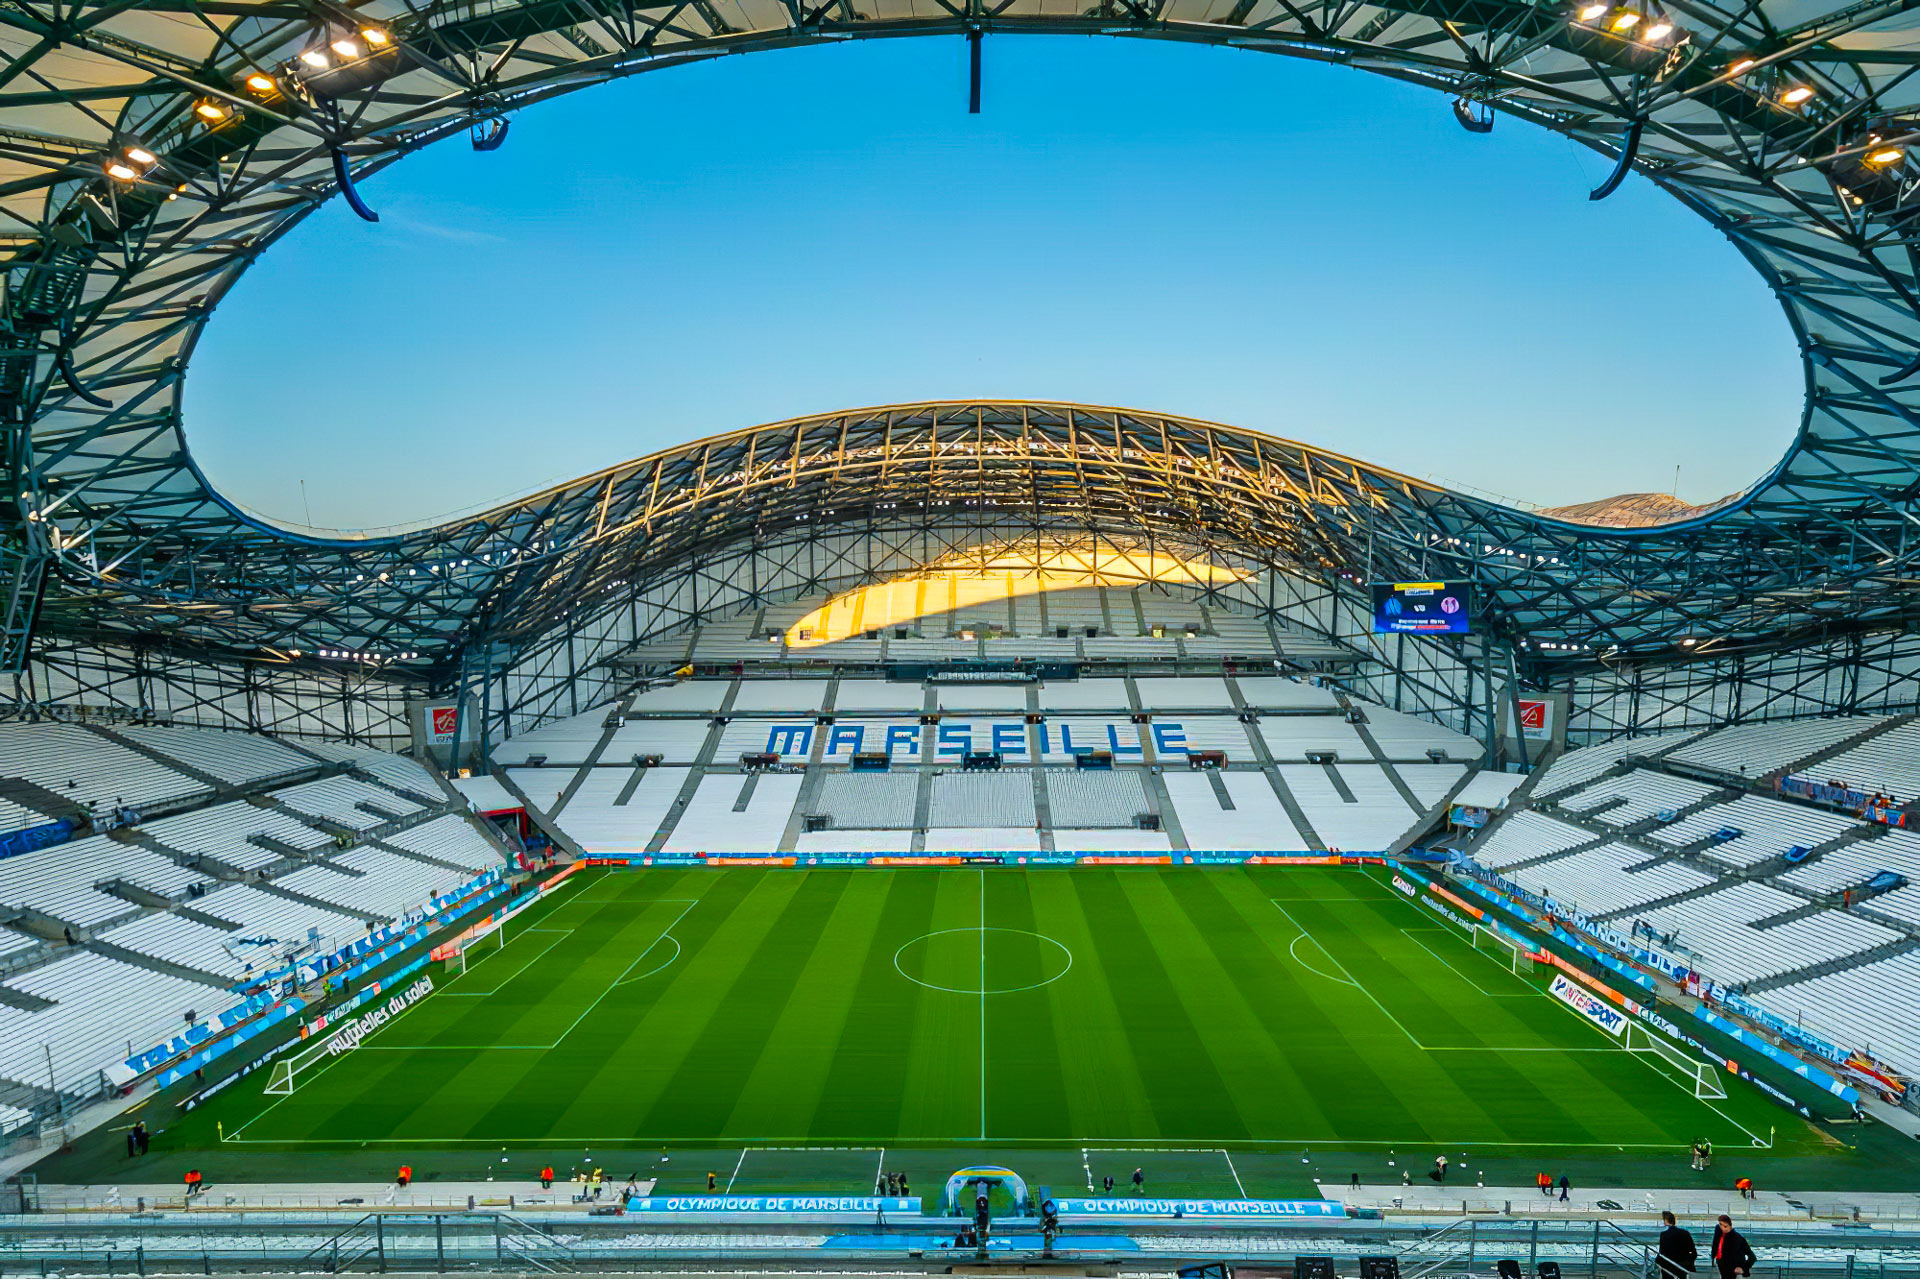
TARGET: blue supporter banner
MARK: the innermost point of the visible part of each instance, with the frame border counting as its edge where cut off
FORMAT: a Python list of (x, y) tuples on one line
[(787, 1205), (1131, 1205)]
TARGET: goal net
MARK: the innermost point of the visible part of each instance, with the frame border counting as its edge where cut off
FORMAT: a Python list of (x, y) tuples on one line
[(1670, 1058), (288, 1070), (1504, 950)]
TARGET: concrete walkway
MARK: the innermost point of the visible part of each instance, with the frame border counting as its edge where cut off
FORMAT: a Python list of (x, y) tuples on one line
[(1464, 1198), (421, 1196)]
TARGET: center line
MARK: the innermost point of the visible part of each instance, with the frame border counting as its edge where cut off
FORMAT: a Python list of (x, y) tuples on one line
[(983, 1004)]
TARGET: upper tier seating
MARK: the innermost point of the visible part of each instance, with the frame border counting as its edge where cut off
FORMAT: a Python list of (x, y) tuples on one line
[(1083, 695), (1754, 750), (1173, 693), (1592, 882), (1635, 796), (564, 741), (1401, 736), (88, 769), (1888, 763), (785, 696), (347, 801), (59, 881), (1290, 737), (1255, 822), (1274, 693), (1870, 1008), (1577, 767), (880, 695), (1719, 928), (597, 818), (1094, 798), (222, 833), (731, 812), (1526, 834), (1769, 828), (869, 801), (237, 758), (1431, 782), (163, 888), (1376, 817), (991, 799), (101, 1006)]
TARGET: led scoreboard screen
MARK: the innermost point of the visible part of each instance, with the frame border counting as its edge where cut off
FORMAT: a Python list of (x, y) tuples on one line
[(1421, 608)]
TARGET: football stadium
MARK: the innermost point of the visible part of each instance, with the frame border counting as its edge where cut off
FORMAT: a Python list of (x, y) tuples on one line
[(1000, 836)]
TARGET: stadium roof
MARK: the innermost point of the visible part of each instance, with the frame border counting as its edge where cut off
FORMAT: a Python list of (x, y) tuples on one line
[(153, 150)]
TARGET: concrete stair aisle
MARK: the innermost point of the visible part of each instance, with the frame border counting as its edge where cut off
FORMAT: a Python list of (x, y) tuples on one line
[(1432, 815), (1780, 865), (540, 817), (165, 760), (140, 959), (50, 804)]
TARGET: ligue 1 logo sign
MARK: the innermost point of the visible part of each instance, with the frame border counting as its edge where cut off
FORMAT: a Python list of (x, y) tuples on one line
[(1449, 604)]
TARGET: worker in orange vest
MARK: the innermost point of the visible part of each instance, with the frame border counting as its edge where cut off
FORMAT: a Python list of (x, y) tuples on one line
[(546, 1177), (193, 1182), (406, 1175)]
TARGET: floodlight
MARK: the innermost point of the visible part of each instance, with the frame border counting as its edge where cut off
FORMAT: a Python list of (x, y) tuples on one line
[(373, 36), (1659, 30), (1626, 20), (208, 109), (1741, 67), (315, 59), (140, 155), (121, 170), (1796, 95), (1885, 156), (1592, 12), (346, 48), (260, 82)]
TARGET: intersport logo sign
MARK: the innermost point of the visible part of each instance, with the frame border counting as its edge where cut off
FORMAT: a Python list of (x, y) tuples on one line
[(1609, 1019)]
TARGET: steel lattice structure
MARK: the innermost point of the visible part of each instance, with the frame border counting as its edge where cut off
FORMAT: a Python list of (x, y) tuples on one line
[(150, 150)]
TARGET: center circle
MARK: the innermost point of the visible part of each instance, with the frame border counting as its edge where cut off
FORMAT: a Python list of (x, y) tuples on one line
[(983, 961)]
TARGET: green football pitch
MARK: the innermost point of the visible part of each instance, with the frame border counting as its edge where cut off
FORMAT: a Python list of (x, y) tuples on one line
[(1078, 1008)]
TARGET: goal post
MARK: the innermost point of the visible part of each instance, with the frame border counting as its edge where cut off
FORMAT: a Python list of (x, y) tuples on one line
[(1672, 1059), (493, 934), (287, 1071), (1504, 950)]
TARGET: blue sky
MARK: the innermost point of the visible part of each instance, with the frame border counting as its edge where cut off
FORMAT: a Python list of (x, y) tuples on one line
[(1310, 251)]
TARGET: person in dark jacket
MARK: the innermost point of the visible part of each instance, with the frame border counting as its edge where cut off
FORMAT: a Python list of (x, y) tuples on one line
[(1677, 1252), (1731, 1255)]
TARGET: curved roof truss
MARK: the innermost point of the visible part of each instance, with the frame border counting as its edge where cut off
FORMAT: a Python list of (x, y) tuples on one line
[(150, 151)]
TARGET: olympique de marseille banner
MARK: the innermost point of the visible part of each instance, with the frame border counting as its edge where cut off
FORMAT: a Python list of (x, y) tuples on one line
[(1133, 1206), (795, 1205)]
